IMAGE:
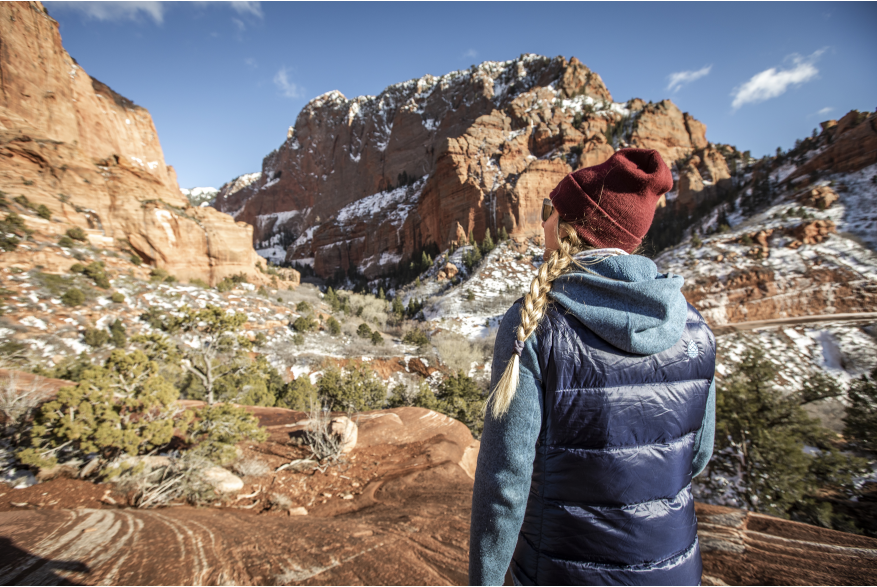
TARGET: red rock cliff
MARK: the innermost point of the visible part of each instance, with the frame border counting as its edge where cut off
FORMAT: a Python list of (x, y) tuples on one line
[(93, 158), (477, 148)]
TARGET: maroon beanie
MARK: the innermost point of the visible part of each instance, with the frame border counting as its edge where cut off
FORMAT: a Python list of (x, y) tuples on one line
[(613, 204)]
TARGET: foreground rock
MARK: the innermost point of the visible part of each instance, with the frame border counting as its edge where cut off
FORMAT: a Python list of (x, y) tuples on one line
[(93, 158), (408, 525)]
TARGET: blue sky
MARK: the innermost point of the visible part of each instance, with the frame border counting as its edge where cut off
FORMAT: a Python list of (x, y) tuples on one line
[(224, 81)]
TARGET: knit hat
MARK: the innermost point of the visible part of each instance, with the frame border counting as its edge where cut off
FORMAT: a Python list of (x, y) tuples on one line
[(612, 204)]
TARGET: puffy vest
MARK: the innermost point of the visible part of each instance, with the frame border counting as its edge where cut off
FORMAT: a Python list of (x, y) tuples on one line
[(610, 502)]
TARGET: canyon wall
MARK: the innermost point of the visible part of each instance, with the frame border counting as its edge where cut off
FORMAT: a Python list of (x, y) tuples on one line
[(471, 151), (93, 158)]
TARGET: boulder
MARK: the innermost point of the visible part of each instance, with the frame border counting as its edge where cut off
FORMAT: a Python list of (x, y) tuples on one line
[(821, 197), (222, 480), (346, 431)]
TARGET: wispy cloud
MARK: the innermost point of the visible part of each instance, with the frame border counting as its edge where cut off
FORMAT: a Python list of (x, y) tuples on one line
[(471, 54), (680, 78), (251, 63), (286, 87), (115, 11), (239, 23), (822, 112), (774, 82), (242, 8), (122, 11)]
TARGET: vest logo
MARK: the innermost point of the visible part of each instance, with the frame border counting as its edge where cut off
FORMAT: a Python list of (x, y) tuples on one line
[(693, 351)]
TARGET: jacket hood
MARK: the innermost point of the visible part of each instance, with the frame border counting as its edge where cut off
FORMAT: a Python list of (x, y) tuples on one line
[(625, 301)]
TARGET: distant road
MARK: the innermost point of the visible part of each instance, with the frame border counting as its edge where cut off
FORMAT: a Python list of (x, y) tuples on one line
[(741, 326)]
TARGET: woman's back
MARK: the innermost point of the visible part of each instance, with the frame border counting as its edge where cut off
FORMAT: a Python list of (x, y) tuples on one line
[(602, 401)]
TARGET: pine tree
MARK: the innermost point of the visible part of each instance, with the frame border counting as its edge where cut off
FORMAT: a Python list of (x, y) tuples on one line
[(487, 244), (503, 234), (471, 239)]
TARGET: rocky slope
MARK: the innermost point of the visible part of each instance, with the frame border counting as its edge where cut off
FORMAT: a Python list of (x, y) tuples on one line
[(93, 159), (369, 182), (397, 511)]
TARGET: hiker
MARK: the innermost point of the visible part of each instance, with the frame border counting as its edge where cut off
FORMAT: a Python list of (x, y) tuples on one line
[(602, 404)]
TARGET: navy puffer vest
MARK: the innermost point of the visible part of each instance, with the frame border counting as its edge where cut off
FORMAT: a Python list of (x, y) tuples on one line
[(610, 502)]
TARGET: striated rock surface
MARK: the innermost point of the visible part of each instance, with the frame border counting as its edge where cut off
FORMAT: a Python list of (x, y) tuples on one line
[(371, 181), (406, 522), (93, 157)]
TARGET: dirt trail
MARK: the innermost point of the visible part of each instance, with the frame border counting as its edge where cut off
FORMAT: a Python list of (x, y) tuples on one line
[(794, 321)]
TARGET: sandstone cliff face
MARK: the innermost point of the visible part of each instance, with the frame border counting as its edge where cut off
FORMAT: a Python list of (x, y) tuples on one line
[(94, 159), (852, 145), (477, 148)]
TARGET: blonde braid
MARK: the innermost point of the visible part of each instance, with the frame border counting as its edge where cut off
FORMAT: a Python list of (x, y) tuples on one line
[(532, 312)]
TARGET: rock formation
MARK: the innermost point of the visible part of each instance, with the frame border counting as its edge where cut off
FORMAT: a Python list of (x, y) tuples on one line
[(852, 145), (397, 512), (371, 181), (93, 158)]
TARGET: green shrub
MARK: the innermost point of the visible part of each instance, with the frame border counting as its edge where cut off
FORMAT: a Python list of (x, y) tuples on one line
[(462, 399), (43, 212), (97, 272), (118, 334), (73, 297), (136, 260), (303, 307), (95, 337), (299, 394), (333, 325), (199, 282), (262, 291), (123, 407), (77, 268), (472, 258), (376, 338), (470, 297), (77, 234), (161, 276), (355, 391), (66, 242), (860, 423), (298, 339), (416, 337), (218, 428), (364, 331), (305, 324), (761, 433), (117, 297)]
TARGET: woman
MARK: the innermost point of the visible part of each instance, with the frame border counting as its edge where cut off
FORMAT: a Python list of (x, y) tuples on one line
[(603, 401)]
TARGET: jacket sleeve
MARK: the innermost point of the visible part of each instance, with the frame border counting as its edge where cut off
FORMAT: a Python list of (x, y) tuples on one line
[(505, 462), (705, 437)]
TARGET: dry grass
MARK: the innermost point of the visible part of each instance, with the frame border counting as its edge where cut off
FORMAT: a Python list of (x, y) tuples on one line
[(279, 501), (371, 309), (160, 486), (18, 400), (251, 467), (324, 445), (458, 353)]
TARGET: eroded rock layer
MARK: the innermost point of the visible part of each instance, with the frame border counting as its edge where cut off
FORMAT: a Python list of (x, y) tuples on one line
[(471, 151), (93, 158)]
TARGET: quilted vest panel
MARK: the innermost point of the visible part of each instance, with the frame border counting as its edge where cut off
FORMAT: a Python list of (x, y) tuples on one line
[(610, 501)]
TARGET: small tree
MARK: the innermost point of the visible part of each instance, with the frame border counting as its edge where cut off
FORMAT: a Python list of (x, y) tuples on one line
[(218, 428), (299, 394), (333, 325), (376, 338), (353, 391), (487, 244), (77, 234), (217, 344), (118, 334), (860, 423), (73, 297), (123, 407)]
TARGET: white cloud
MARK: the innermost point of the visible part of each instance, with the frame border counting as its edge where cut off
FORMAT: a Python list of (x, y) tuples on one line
[(115, 11), (243, 8), (289, 89), (471, 54), (120, 11), (825, 110), (680, 78), (774, 82)]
